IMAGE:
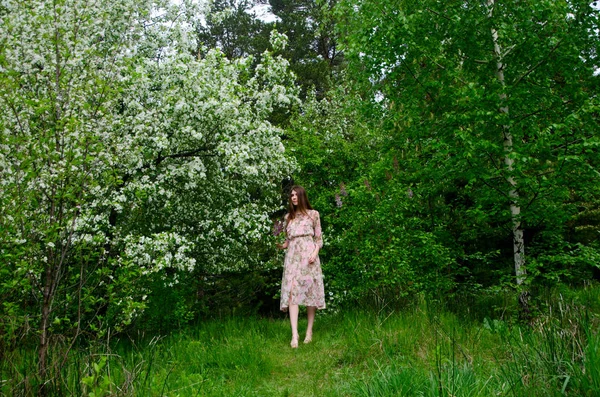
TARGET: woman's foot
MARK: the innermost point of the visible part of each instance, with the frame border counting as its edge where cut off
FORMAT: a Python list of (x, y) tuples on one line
[(308, 337), (294, 342)]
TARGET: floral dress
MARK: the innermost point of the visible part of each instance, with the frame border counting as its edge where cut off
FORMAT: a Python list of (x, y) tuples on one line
[(302, 282)]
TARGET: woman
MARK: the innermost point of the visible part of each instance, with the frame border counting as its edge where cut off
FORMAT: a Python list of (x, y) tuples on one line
[(302, 282)]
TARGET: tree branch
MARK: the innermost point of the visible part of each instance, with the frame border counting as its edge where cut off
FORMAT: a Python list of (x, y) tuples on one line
[(502, 193), (525, 116), (190, 153), (537, 65), (438, 14)]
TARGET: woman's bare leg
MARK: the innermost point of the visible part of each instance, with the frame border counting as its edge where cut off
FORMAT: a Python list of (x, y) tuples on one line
[(293, 309), (310, 312)]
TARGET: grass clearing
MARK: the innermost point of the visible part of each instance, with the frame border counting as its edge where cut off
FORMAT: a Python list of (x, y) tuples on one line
[(421, 350)]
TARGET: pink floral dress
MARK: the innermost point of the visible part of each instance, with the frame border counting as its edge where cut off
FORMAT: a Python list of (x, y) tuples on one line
[(302, 282)]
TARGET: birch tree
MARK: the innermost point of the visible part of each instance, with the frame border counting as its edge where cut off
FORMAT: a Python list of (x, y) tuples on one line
[(442, 78), (513, 194)]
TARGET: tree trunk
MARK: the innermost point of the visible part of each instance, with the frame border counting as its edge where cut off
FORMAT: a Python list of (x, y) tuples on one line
[(515, 209), (44, 340)]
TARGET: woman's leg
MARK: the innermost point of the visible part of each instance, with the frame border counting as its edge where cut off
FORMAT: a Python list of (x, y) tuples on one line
[(310, 312), (293, 309)]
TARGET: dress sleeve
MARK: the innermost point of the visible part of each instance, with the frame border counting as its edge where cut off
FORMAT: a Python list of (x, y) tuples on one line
[(317, 228)]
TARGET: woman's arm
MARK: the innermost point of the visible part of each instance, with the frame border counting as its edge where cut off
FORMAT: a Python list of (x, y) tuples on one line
[(318, 237)]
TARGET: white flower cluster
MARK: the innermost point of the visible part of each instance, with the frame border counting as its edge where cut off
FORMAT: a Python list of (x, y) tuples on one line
[(157, 252)]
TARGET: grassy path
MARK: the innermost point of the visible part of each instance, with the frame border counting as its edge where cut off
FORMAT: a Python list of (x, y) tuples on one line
[(414, 352), (252, 357), (406, 354)]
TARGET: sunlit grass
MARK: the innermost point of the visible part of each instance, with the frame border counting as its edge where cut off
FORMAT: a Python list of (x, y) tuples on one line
[(421, 350)]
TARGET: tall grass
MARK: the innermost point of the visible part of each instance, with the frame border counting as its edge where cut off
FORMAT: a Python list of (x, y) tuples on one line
[(425, 349)]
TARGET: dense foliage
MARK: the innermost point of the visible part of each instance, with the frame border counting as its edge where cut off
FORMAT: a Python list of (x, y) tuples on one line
[(484, 118), (146, 149)]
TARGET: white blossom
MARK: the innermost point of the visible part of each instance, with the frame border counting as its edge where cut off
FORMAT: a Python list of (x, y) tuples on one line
[(161, 159)]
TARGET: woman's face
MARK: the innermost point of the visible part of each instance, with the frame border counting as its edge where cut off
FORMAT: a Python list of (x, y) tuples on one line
[(294, 197)]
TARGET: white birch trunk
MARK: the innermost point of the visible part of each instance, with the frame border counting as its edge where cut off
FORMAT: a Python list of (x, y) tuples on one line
[(515, 209)]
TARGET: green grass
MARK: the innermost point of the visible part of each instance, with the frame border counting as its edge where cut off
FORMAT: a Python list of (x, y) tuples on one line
[(418, 351)]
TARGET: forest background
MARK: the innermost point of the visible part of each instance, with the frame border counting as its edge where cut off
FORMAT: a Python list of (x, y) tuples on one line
[(147, 150)]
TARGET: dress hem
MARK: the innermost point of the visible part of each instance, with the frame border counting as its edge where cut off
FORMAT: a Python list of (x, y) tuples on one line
[(285, 309)]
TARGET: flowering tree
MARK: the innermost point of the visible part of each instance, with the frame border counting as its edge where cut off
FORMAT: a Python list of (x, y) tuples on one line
[(122, 155)]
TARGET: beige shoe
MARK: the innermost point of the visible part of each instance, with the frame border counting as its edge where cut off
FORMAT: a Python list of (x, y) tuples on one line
[(308, 338)]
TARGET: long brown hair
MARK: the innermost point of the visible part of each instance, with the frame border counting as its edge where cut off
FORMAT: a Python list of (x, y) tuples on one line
[(303, 203)]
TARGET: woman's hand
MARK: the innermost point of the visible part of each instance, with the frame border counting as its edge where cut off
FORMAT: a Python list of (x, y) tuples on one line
[(283, 246), (313, 257)]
